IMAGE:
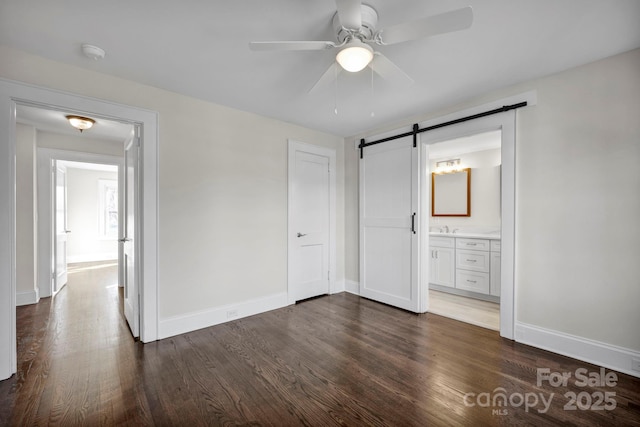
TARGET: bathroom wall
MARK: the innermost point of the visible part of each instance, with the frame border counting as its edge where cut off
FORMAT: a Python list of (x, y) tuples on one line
[(485, 192)]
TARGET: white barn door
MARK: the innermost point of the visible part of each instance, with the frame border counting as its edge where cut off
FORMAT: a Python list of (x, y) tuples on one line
[(389, 219)]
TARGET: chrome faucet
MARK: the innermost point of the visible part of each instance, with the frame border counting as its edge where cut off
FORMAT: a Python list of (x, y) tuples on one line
[(445, 228)]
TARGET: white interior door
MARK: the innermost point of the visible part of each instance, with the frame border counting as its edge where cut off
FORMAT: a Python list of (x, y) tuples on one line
[(129, 237), (60, 226), (389, 219), (309, 224)]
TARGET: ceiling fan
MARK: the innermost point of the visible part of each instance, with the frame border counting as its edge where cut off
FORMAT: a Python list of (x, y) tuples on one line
[(355, 26)]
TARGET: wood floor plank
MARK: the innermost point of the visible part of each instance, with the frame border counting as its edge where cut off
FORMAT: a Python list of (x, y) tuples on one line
[(335, 360)]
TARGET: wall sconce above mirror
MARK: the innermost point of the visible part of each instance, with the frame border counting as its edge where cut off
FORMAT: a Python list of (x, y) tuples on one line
[(448, 166), (451, 193)]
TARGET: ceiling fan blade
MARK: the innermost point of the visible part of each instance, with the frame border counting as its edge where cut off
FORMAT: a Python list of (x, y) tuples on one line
[(291, 45), (454, 20), (328, 77), (389, 71), (350, 13)]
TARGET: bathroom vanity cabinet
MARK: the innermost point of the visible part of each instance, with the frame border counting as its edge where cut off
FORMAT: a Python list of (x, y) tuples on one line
[(442, 265), (465, 265)]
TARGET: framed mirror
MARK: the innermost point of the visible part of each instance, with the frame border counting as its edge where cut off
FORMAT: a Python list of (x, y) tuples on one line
[(451, 193)]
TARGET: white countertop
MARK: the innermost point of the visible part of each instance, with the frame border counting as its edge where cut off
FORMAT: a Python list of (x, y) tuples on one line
[(491, 236)]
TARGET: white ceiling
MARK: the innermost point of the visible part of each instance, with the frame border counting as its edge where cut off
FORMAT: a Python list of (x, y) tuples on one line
[(200, 48), (88, 166)]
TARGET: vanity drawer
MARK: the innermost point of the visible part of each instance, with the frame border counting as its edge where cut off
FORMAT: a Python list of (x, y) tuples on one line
[(475, 244), (495, 246), (473, 260), (442, 242), (472, 281)]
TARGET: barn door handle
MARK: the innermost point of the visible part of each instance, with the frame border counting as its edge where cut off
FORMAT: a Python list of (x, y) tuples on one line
[(301, 235), (413, 223)]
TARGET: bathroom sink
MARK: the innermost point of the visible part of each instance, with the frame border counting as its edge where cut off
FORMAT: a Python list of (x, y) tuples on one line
[(473, 235)]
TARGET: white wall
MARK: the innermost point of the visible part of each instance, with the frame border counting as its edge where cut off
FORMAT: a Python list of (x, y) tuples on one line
[(577, 202), (223, 195), (578, 198), (84, 242), (222, 188)]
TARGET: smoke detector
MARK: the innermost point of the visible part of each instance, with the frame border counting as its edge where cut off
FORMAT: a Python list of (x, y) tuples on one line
[(92, 52)]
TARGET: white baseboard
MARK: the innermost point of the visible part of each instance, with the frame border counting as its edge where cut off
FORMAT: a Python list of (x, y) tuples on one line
[(352, 287), (337, 287), (28, 297), (108, 256), (598, 353), (203, 319)]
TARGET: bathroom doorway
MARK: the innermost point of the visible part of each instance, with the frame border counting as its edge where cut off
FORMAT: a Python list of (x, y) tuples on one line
[(464, 219)]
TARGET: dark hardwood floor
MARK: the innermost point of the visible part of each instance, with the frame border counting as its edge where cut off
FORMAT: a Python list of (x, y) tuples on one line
[(334, 360)]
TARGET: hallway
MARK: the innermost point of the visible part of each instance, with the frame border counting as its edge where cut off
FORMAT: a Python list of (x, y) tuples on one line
[(69, 349)]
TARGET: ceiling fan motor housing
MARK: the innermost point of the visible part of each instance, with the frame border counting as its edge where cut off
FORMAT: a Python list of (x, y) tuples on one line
[(366, 31)]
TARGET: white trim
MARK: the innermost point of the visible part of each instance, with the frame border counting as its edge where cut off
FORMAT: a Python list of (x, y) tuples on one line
[(352, 287), (12, 92), (182, 324), (26, 298), (294, 146), (8, 355), (506, 123), (337, 287), (591, 351)]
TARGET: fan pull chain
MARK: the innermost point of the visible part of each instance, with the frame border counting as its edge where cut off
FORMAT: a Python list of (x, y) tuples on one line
[(335, 95), (372, 95)]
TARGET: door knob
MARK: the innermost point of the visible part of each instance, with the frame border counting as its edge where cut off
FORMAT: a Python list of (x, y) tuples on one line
[(301, 235)]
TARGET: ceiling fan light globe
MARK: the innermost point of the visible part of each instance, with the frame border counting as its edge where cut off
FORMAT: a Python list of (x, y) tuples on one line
[(355, 56)]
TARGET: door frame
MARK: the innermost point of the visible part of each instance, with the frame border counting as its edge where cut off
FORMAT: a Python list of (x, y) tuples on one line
[(506, 123), (293, 147), (45, 198), (12, 93)]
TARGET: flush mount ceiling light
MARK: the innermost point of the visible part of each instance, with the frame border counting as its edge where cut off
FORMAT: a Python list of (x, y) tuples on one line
[(92, 52), (80, 123), (354, 56)]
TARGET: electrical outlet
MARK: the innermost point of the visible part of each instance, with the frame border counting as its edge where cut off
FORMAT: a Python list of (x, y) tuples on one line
[(232, 314), (635, 364)]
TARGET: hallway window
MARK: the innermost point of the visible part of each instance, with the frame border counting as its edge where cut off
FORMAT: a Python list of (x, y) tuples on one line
[(108, 208)]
